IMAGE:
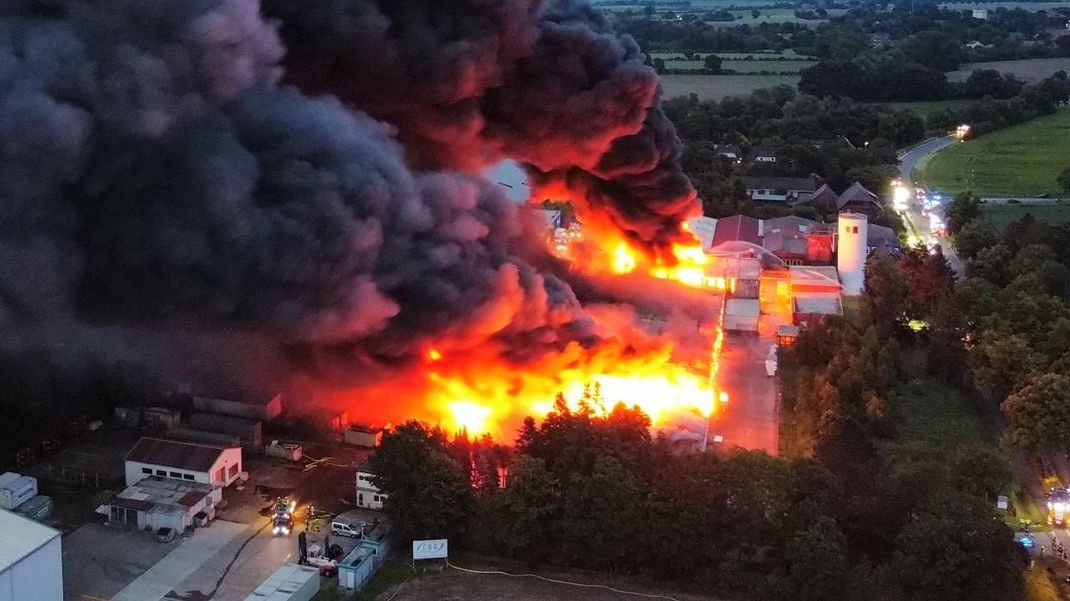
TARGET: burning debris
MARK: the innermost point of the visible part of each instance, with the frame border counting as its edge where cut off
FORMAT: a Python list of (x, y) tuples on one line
[(156, 177)]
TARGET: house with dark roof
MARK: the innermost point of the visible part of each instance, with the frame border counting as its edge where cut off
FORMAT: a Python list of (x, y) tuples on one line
[(761, 156), (186, 461), (882, 239), (780, 189), (824, 200), (857, 199), (728, 151)]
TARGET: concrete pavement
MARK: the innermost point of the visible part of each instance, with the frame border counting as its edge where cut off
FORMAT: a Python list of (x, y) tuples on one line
[(191, 554)]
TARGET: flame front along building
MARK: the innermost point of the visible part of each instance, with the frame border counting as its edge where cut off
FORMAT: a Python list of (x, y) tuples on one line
[(781, 271)]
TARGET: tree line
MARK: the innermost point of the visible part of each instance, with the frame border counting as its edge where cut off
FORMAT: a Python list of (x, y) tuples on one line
[(592, 490), (1016, 312)]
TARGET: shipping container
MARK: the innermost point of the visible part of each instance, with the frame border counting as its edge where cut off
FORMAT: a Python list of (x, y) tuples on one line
[(37, 508), (17, 491)]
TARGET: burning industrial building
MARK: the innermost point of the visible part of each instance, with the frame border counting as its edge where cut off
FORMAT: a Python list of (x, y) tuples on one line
[(311, 202)]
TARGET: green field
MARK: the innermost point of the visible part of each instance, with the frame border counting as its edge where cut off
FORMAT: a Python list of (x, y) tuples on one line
[(925, 108), (718, 87), (1020, 161), (1029, 70), (1002, 215), (745, 66)]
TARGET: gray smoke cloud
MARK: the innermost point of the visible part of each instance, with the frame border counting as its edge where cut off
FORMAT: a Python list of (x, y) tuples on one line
[(469, 82), (154, 173)]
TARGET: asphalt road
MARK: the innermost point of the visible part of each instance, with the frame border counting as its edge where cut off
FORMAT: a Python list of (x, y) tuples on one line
[(915, 220)]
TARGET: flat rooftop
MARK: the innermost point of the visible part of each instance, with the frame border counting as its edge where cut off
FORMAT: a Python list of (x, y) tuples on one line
[(820, 273), (21, 537), (819, 304), (162, 492), (283, 583)]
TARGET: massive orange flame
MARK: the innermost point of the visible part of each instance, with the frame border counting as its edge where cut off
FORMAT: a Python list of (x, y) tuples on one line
[(476, 391)]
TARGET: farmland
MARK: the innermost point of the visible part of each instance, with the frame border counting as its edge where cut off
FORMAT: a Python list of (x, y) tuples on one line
[(927, 107), (1020, 161), (746, 66), (999, 216), (1029, 70), (718, 87)]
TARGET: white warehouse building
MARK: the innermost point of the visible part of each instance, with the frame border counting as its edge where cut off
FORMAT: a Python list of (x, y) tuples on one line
[(31, 567), (188, 461)]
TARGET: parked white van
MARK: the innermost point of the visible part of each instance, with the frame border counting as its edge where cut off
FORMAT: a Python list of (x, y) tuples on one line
[(344, 527)]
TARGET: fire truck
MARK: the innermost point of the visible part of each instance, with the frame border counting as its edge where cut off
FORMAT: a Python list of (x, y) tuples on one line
[(1058, 504), (282, 521)]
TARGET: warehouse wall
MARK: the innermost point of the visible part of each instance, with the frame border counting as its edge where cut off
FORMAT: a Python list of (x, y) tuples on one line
[(37, 577)]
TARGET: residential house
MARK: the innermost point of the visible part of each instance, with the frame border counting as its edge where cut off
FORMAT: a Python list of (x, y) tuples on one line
[(728, 151), (761, 156), (780, 189), (824, 200), (882, 239), (857, 199), (191, 462)]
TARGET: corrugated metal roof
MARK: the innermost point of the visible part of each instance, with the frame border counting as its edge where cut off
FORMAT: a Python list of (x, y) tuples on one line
[(21, 537), (171, 453)]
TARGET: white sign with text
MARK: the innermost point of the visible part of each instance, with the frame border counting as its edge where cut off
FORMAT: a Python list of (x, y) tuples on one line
[(430, 549)]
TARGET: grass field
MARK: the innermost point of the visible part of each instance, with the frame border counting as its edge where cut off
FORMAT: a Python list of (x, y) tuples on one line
[(745, 66), (768, 55), (718, 87), (1029, 70), (938, 415), (1002, 215), (1020, 161), (925, 108), (1030, 6)]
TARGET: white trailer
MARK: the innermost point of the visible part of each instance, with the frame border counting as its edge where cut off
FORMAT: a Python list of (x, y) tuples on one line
[(17, 490), (283, 450)]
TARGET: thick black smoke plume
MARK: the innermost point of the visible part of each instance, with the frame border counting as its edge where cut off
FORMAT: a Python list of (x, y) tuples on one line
[(469, 82), (154, 173)]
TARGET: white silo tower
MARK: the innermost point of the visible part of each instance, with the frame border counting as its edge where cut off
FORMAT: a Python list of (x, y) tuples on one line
[(851, 236)]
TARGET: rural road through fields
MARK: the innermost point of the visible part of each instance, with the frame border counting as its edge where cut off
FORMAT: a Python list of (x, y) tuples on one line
[(916, 221)]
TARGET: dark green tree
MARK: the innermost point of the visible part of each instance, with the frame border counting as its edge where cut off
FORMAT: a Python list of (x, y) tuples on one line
[(817, 562), (961, 210), (955, 547), (429, 492), (1038, 414), (524, 513), (973, 237), (712, 64)]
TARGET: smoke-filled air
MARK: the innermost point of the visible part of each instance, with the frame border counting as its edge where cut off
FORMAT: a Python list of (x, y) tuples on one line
[(291, 191)]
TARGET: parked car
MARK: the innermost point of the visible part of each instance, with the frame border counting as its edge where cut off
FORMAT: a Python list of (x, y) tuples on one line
[(344, 527), (165, 535)]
